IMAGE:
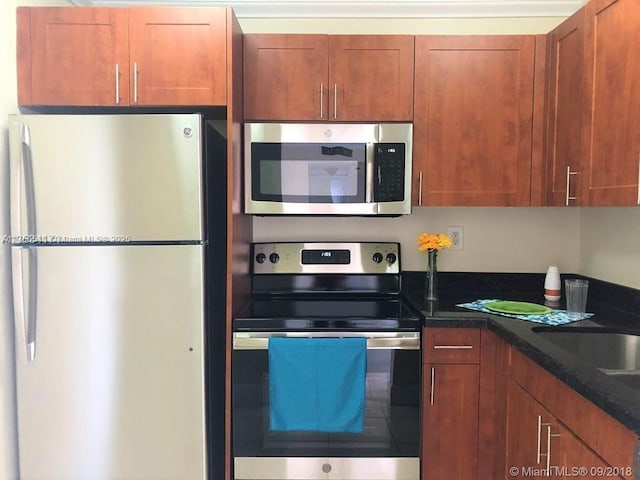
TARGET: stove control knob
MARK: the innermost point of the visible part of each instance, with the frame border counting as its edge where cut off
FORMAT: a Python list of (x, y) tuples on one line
[(391, 258), (261, 257), (377, 257), (274, 257)]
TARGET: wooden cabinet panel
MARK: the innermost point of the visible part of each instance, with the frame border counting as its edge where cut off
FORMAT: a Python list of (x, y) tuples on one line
[(492, 406), (612, 121), (474, 101), (285, 77), (74, 53), (538, 445), (524, 442), (80, 56), (570, 456), (371, 77), (329, 78), (565, 110), (451, 345), (179, 54), (609, 439), (450, 422)]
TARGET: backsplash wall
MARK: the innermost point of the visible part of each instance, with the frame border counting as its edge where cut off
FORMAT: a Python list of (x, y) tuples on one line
[(501, 239), (610, 244)]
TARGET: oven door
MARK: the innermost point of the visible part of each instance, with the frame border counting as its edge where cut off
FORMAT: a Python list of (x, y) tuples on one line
[(388, 447)]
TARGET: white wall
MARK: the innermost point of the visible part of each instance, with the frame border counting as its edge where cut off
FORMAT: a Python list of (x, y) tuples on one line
[(8, 104), (495, 239), (610, 243), (411, 26)]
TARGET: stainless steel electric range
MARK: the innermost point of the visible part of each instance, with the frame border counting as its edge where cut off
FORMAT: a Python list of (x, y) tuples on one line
[(319, 291)]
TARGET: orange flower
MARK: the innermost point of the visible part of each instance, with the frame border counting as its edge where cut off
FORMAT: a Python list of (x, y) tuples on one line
[(433, 241)]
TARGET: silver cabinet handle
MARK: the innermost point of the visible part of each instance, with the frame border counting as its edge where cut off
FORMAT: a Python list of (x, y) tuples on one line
[(433, 380), (375, 340), (568, 195), (135, 82), (549, 435), (548, 448), (117, 84), (335, 100), (420, 189), (321, 100), (452, 347), (538, 439)]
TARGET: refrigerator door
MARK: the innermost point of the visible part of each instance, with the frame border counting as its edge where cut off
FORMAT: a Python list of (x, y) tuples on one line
[(116, 388), (97, 178)]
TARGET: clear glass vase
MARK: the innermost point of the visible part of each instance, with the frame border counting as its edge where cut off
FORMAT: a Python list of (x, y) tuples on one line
[(431, 281)]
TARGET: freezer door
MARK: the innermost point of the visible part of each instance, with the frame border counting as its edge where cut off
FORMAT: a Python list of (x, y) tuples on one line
[(116, 388), (105, 177)]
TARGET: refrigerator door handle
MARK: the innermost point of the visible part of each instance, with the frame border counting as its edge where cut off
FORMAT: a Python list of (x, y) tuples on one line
[(24, 300), (25, 313), (29, 187), (21, 172)]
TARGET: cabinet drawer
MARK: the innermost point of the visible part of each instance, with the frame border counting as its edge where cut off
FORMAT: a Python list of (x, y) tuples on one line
[(451, 345)]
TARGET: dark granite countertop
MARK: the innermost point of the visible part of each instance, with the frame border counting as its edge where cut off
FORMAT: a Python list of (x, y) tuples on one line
[(614, 306)]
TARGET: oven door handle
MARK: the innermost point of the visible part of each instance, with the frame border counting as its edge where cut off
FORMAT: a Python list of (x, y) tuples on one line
[(375, 340)]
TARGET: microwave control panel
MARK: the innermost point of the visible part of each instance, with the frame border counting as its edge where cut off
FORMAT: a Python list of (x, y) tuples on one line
[(389, 162)]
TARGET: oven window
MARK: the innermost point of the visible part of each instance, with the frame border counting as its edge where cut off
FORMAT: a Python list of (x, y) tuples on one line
[(308, 172), (392, 413)]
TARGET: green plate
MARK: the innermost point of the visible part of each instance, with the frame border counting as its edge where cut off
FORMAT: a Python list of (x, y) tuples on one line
[(518, 308)]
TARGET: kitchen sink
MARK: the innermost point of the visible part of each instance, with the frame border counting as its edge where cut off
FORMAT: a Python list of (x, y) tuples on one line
[(615, 352)]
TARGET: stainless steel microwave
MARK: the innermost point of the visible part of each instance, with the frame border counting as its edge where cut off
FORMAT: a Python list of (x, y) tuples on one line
[(328, 169)]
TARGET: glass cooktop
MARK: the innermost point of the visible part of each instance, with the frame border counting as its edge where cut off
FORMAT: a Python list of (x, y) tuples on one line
[(323, 313)]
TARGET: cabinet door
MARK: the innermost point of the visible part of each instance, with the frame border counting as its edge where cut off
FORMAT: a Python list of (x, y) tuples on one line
[(178, 56), (371, 77), (285, 77), (612, 124), (473, 116), (450, 422), (78, 56), (566, 101), (525, 433), (571, 457)]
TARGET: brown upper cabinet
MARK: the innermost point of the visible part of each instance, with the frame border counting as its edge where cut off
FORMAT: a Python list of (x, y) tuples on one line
[(566, 99), (611, 119), (328, 77), (478, 127), (85, 56)]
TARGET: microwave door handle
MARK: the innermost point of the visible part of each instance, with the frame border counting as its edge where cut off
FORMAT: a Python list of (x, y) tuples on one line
[(370, 168)]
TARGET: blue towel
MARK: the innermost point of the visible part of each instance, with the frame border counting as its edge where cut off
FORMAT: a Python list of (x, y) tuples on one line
[(317, 384)]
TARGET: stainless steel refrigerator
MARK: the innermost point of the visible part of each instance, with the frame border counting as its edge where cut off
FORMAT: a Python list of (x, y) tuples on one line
[(117, 353)]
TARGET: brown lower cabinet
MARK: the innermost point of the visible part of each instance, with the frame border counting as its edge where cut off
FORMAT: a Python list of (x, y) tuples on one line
[(538, 445), (451, 380), (554, 432), (450, 422), (489, 412)]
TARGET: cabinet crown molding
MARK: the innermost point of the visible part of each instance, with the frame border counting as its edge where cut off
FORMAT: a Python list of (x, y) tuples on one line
[(371, 8)]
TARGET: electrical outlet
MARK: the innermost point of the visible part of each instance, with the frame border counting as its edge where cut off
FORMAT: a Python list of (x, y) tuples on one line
[(456, 234)]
